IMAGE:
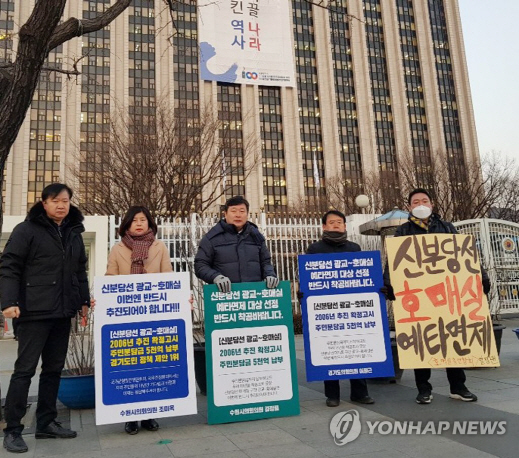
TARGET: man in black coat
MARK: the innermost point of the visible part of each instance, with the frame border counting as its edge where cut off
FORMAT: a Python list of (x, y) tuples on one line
[(234, 251), (422, 221), (43, 283), (334, 240)]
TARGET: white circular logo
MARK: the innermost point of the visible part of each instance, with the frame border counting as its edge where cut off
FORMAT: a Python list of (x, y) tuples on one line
[(345, 427)]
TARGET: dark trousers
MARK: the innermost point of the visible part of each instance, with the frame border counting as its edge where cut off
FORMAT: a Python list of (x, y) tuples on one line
[(48, 339), (358, 389), (15, 326), (456, 377)]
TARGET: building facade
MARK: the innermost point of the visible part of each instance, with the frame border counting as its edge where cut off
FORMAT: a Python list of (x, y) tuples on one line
[(376, 80)]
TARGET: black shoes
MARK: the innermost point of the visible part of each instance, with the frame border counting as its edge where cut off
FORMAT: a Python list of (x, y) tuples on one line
[(54, 430), (425, 397), (150, 425), (463, 395), (14, 443), (330, 402), (364, 400), (132, 427)]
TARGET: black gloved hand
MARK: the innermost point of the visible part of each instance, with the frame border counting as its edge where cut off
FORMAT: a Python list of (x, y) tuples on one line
[(387, 290), (486, 285)]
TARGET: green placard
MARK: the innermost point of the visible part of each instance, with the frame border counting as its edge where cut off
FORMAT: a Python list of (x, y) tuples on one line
[(250, 353)]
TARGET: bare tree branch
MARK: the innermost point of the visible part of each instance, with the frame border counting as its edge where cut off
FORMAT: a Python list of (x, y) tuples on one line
[(167, 162), (37, 37), (331, 5), (76, 27), (460, 191)]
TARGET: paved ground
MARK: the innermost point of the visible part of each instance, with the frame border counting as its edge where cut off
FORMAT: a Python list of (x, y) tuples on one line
[(308, 435)]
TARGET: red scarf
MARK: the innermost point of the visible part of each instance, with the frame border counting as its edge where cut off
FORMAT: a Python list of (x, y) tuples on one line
[(140, 246)]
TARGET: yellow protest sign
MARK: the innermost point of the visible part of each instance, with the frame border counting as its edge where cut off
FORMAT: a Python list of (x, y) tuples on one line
[(441, 314)]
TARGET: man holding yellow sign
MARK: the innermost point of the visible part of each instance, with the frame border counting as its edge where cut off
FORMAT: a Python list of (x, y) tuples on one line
[(441, 314)]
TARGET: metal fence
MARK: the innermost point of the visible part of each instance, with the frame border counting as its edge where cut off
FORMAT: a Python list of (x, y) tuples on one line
[(287, 237), (498, 243)]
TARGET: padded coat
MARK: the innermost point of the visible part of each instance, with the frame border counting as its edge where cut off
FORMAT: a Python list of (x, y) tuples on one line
[(42, 272), (242, 257)]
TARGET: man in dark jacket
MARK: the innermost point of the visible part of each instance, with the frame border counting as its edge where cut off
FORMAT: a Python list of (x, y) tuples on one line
[(422, 220), (43, 283), (234, 251), (334, 240)]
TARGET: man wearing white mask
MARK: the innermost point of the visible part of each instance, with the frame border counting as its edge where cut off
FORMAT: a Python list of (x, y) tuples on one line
[(422, 220)]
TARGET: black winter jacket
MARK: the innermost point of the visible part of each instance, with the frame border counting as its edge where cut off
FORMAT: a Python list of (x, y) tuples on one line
[(436, 226), (42, 273), (324, 247), (242, 257)]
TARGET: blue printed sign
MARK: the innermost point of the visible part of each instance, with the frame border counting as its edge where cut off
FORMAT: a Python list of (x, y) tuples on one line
[(152, 354), (144, 347), (345, 327)]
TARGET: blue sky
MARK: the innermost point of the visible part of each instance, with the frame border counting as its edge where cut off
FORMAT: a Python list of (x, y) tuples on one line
[(491, 35)]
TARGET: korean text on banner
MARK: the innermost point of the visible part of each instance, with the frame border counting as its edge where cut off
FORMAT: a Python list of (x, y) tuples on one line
[(144, 347), (345, 326), (247, 42), (441, 313), (250, 353)]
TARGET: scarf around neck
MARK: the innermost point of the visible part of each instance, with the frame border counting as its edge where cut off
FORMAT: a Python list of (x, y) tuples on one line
[(420, 222), (335, 238), (140, 246)]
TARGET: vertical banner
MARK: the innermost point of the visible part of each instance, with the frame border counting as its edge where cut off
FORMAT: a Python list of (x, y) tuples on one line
[(441, 313), (248, 42), (144, 347), (345, 327), (250, 353)]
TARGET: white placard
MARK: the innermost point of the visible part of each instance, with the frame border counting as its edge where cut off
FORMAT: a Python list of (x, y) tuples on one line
[(254, 370), (144, 347), (350, 335)]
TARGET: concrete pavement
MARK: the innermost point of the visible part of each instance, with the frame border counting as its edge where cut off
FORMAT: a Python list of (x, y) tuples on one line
[(308, 435)]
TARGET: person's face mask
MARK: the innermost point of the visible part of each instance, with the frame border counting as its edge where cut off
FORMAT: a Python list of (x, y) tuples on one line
[(421, 212)]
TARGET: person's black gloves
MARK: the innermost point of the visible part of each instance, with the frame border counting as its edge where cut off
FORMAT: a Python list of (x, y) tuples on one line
[(486, 285), (388, 292)]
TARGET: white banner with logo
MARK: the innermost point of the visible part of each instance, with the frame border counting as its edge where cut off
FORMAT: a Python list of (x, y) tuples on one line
[(246, 42)]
